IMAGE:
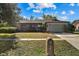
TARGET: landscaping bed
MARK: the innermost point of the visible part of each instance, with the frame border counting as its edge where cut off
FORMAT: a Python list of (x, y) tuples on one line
[(37, 48)]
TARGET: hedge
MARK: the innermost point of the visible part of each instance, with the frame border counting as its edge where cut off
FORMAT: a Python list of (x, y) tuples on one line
[(7, 29), (4, 36)]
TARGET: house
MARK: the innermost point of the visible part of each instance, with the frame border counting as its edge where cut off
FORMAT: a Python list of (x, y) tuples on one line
[(76, 25), (43, 25)]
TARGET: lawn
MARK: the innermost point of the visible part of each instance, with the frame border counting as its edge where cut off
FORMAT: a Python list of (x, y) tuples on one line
[(35, 35), (63, 48), (27, 35), (37, 48), (26, 48)]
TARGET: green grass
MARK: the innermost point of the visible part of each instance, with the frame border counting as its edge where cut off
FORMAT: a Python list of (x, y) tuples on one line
[(27, 35), (35, 35), (27, 48), (37, 48), (6, 45), (76, 32), (63, 48)]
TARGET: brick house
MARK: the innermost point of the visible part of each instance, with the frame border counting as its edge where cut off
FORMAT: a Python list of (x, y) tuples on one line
[(76, 25), (43, 25)]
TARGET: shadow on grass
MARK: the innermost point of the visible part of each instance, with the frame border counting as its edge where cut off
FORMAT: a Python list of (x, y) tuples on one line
[(7, 43), (35, 48), (63, 48), (27, 48)]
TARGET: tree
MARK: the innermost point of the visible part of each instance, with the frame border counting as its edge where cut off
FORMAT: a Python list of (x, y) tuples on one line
[(49, 17), (9, 13), (31, 17)]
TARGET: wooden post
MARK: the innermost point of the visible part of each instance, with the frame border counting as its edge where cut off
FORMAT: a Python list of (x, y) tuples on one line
[(49, 47)]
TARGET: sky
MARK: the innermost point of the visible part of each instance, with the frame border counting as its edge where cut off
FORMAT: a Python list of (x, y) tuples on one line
[(63, 11)]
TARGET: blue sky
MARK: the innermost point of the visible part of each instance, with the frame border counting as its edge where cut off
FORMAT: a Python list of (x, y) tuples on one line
[(63, 11)]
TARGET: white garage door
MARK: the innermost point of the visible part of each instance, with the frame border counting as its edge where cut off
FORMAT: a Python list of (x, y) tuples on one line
[(55, 27)]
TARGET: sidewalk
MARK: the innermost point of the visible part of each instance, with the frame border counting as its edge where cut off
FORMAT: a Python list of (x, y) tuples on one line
[(30, 39)]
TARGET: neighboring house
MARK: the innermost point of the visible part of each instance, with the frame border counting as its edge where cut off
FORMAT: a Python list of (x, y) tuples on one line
[(43, 25), (76, 25)]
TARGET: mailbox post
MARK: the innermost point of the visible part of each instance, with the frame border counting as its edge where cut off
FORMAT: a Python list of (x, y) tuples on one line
[(49, 47)]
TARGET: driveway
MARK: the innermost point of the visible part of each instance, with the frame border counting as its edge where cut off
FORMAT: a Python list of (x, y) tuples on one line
[(73, 39)]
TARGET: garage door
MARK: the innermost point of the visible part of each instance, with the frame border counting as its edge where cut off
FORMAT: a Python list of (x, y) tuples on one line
[(55, 27)]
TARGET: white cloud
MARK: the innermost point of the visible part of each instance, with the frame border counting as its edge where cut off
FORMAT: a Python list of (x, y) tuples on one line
[(40, 6), (37, 11), (63, 12), (40, 18), (64, 18), (24, 17), (72, 12), (54, 6), (72, 4), (31, 5), (46, 5)]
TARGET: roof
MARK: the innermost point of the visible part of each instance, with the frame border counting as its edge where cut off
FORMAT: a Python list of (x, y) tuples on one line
[(75, 22), (42, 21), (30, 21), (59, 22), (35, 21)]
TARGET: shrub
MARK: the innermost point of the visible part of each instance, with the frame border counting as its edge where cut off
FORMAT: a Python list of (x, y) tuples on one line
[(7, 29), (71, 28), (4, 24), (7, 36)]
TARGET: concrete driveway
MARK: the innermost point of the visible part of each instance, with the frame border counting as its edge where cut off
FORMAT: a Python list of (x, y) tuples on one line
[(73, 39)]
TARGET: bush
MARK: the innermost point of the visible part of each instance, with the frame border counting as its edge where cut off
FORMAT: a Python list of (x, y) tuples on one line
[(71, 28), (4, 24), (7, 36), (7, 29)]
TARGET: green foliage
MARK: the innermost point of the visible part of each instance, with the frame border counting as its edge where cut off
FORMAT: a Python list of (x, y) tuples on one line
[(7, 29), (71, 28), (5, 24), (10, 13), (49, 17), (31, 17), (43, 27), (7, 35)]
